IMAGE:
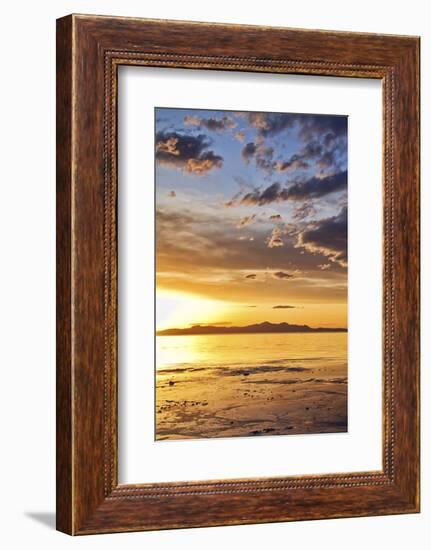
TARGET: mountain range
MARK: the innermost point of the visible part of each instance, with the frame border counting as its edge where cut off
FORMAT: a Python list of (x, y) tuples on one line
[(259, 328)]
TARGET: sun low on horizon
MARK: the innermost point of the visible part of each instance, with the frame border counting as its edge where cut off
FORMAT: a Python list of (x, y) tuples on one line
[(184, 310), (181, 310)]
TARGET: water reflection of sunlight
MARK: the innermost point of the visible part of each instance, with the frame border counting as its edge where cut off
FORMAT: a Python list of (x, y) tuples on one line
[(178, 350), (311, 350)]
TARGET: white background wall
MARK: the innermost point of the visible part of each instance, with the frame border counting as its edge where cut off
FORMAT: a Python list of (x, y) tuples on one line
[(27, 279)]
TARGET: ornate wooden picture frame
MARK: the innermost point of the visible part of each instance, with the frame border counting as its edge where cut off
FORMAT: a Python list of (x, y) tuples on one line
[(89, 51)]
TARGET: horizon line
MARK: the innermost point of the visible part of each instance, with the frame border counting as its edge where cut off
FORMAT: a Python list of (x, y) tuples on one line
[(256, 328)]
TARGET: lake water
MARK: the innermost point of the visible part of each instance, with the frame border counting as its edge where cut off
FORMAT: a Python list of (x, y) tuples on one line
[(247, 385)]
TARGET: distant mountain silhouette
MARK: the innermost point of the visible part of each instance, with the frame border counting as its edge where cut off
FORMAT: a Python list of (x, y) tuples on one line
[(265, 327)]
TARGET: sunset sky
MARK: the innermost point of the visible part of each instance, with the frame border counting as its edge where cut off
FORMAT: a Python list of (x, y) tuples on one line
[(251, 218)]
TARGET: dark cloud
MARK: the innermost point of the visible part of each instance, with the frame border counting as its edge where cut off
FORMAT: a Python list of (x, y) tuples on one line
[(262, 155), (312, 151), (251, 276), (264, 159), (271, 123), (283, 307), (327, 160), (303, 210), (318, 187), (325, 157), (187, 153), (248, 151), (233, 201), (294, 163), (327, 237), (329, 126), (308, 189), (213, 124), (273, 193), (309, 126), (324, 137), (282, 275)]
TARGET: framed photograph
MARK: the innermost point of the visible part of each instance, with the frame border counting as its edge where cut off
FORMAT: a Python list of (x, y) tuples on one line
[(237, 274), (232, 243)]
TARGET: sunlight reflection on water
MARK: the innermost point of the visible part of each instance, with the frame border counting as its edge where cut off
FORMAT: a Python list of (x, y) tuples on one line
[(248, 350)]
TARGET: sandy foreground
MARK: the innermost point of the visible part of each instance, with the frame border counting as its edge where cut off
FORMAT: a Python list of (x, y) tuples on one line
[(269, 399)]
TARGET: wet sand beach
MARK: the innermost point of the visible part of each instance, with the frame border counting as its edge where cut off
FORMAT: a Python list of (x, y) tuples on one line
[(264, 384)]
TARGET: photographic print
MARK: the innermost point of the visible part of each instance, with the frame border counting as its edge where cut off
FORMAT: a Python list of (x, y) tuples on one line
[(251, 273)]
